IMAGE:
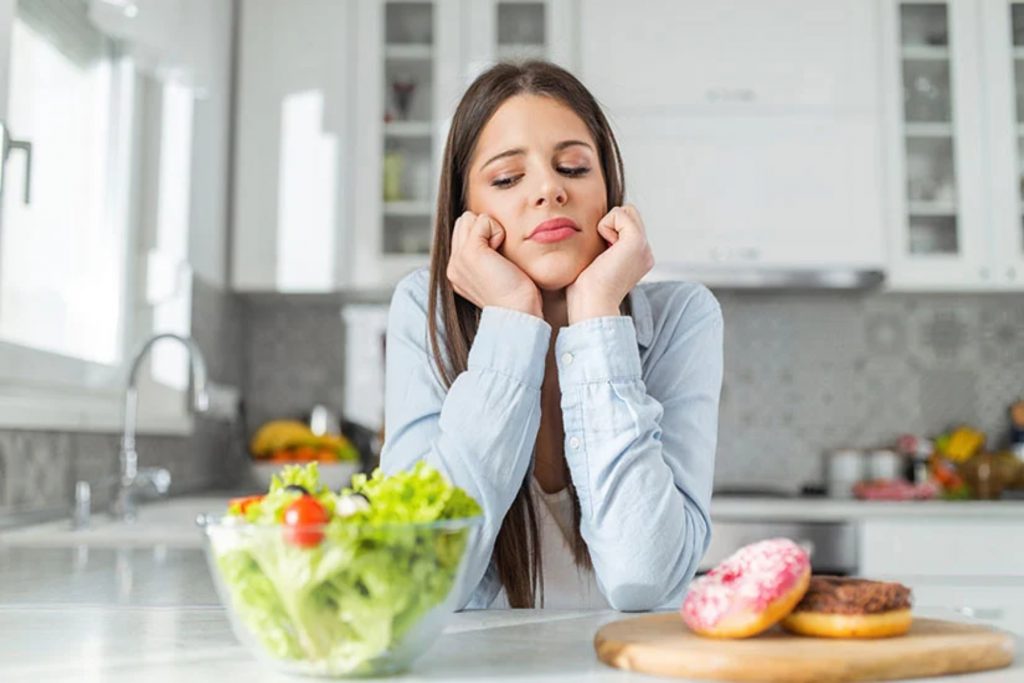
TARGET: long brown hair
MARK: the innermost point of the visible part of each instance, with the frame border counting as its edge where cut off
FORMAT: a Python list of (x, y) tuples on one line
[(517, 548)]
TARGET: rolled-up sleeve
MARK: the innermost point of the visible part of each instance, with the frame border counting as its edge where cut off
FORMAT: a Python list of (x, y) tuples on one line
[(640, 442), (481, 431)]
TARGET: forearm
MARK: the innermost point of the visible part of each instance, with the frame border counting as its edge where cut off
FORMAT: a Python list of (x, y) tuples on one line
[(644, 492)]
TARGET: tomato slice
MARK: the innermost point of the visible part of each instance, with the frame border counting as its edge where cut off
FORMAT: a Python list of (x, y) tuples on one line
[(302, 521)]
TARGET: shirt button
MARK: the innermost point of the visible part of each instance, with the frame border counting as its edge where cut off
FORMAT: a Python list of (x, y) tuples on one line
[(574, 443), (567, 358)]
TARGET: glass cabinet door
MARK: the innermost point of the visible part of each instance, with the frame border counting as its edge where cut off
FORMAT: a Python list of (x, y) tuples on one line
[(520, 30), (940, 235), (407, 111), (931, 173), (516, 30)]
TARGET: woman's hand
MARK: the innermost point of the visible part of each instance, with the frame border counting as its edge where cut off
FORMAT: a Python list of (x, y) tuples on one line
[(482, 275), (600, 288)]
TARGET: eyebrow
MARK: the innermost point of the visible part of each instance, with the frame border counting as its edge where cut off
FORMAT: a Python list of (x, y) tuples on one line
[(519, 150)]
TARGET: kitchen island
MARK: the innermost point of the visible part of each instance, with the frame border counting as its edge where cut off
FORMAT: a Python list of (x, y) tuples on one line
[(152, 614)]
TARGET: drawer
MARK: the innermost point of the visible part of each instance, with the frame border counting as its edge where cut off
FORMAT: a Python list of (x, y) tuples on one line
[(941, 547)]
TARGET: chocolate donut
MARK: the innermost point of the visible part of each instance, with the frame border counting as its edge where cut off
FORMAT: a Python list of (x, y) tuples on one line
[(841, 607)]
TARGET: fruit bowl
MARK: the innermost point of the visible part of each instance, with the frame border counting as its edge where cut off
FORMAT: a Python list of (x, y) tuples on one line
[(335, 475), (367, 599)]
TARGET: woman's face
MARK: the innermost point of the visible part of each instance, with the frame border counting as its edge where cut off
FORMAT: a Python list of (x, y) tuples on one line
[(535, 160)]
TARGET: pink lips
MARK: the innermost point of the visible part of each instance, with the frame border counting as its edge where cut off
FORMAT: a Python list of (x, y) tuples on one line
[(554, 230)]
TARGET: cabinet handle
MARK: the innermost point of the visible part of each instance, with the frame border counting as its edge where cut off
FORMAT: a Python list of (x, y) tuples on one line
[(730, 95), (25, 146), (982, 613), (743, 254)]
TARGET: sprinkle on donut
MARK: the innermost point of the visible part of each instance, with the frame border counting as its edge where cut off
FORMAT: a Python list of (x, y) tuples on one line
[(741, 596)]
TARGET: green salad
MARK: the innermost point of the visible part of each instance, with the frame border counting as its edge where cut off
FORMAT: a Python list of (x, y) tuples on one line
[(334, 580)]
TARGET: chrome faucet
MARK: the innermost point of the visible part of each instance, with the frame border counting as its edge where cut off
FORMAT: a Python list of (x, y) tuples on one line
[(132, 480)]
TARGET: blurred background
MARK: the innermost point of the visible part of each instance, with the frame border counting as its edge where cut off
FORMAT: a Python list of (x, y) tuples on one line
[(255, 175)]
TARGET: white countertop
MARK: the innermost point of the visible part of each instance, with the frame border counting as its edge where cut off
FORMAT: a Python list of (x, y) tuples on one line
[(136, 614), (821, 509), (172, 521)]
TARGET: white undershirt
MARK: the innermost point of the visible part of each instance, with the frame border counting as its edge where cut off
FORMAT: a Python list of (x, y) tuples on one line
[(566, 586)]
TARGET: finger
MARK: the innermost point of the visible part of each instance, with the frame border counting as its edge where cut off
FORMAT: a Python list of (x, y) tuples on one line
[(634, 214), (463, 227), (611, 225), (486, 230), (457, 229), (497, 235)]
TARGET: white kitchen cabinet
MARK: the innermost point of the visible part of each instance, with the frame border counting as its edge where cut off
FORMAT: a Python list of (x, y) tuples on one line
[(788, 192), (973, 566), (517, 29), (407, 80), (292, 155), (343, 111), (433, 48), (952, 75), (730, 56), (1003, 26), (751, 138)]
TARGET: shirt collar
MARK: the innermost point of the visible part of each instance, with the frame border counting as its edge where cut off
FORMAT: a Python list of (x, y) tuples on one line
[(641, 311)]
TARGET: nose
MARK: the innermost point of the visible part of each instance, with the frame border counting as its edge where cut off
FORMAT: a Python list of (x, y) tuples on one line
[(551, 191)]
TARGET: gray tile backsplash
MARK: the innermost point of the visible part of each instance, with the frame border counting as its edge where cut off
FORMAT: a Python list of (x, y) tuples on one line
[(295, 355), (805, 373)]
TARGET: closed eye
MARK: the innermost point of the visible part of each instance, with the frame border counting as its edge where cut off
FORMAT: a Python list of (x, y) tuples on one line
[(570, 171)]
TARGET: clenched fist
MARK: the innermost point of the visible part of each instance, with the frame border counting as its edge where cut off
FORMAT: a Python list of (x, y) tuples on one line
[(480, 274), (602, 285)]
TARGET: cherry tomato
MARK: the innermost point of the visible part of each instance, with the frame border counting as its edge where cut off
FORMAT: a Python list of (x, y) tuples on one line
[(302, 519)]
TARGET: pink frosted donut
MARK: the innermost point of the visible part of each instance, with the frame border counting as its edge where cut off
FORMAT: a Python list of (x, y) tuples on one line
[(749, 591)]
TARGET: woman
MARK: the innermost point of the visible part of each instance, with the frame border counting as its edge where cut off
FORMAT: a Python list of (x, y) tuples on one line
[(578, 407)]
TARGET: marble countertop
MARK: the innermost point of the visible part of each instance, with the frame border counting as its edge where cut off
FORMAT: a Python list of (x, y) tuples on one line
[(152, 614)]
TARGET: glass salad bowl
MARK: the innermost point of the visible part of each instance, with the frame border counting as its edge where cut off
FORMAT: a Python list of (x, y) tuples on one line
[(339, 588)]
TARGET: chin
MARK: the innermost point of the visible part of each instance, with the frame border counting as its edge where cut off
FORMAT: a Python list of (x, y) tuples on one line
[(554, 271)]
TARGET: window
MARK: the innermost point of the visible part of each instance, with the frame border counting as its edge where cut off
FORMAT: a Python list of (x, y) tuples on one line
[(63, 256), (96, 261)]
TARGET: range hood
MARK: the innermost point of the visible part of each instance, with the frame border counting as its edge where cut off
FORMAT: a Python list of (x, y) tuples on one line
[(765, 277)]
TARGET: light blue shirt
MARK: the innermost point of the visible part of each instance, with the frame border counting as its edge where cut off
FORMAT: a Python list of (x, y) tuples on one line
[(640, 398)]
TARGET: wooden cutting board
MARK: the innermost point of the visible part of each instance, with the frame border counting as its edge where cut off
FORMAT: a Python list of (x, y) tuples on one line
[(661, 644)]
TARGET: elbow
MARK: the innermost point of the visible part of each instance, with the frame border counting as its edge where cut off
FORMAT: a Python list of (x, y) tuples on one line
[(635, 597), (652, 590)]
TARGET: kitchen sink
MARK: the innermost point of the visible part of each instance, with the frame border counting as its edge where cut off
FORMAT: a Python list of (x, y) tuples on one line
[(170, 522)]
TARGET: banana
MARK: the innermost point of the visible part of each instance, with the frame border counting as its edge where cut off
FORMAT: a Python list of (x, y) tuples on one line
[(964, 442), (277, 434)]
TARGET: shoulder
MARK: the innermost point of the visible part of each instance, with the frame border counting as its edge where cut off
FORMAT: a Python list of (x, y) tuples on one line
[(679, 306), (415, 284), (412, 290)]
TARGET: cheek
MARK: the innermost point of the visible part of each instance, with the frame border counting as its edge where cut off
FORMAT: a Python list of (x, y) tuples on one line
[(494, 204)]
